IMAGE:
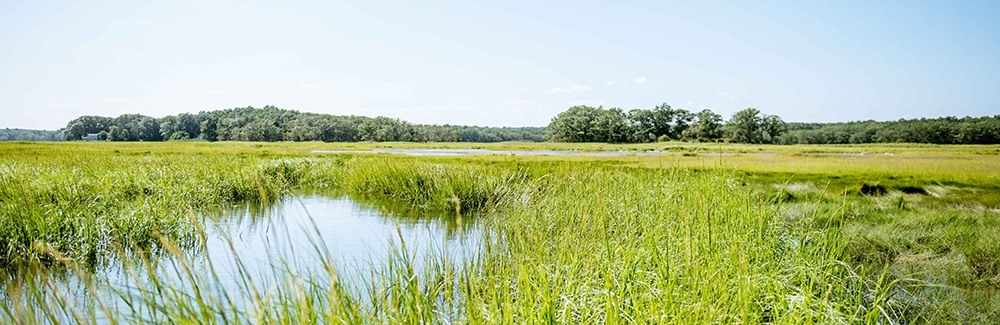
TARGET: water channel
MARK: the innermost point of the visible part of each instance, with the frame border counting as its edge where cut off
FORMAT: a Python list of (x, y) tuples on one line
[(293, 237)]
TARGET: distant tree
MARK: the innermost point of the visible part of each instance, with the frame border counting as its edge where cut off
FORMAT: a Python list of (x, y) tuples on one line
[(8, 134), (663, 117), (611, 126), (438, 133), (574, 125), (643, 125), (91, 124), (116, 134), (75, 131), (772, 127), (382, 129), (589, 124), (744, 126), (259, 130), (577, 124), (103, 135), (207, 129), (682, 121), (179, 135), (168, 126), (707, 127), (148, 129)]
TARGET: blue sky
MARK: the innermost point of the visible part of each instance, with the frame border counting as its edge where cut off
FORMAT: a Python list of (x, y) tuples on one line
[(498, 63)]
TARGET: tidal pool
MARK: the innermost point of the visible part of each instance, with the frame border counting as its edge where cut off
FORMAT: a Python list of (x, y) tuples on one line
[(358, 236), (246, 251)]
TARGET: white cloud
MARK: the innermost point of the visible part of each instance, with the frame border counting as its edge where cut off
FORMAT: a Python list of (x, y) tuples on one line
[(623, 84), (516, 102), (6, 102), (307, 85), (610, 83), (586, 102), (724, 93), (569, 90), (641, 80)]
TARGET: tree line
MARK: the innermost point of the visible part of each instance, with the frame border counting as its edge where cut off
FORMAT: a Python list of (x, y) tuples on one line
[(31, 135), (270, 123), (576, 124), (597, 124), (945, 130), (662, 123)]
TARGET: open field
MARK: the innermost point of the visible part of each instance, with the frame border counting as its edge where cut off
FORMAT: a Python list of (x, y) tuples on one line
[(800, 235)]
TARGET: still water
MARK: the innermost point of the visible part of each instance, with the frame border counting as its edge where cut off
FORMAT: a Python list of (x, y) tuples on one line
[(264, 245), (357, 236)]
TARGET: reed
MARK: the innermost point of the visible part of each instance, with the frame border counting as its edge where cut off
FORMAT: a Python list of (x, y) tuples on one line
[(563, 241)]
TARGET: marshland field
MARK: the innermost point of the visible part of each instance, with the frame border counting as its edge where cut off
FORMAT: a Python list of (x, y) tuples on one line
[(325, 233)]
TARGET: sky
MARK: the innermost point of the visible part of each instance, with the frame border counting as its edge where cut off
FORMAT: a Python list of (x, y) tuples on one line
[(498, 63)]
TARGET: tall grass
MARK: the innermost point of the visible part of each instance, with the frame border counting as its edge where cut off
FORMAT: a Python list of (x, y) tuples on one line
[(563, 242), (86, 205)]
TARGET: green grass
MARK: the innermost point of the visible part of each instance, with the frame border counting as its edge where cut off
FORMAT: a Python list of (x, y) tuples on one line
[(788, 239)]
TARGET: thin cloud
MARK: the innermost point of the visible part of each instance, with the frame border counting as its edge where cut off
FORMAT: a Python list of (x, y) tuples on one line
[(117, 100), (6, 102), (62, 104), (610, 83), (569, 90), (307, 85), (585, 102), (516, 102), (729, 94), (640, 80)]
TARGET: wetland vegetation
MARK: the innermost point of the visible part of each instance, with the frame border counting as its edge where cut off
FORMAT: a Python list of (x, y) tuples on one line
[(902, 234)]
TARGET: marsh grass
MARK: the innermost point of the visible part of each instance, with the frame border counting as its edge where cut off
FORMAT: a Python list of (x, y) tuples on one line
[(576, 241), (942, 255)]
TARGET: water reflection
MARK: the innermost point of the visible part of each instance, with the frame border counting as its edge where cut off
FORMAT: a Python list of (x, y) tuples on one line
[(298, 236), (359, 236)]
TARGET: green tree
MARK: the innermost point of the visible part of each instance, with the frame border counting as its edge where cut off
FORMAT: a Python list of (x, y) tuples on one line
[(207, 129), (168, 126), (744, 126), (179, 135), (116, 134), (381, 129), (772, 127), (589, 124), (76, 131), (707, 127), (574, 125)]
